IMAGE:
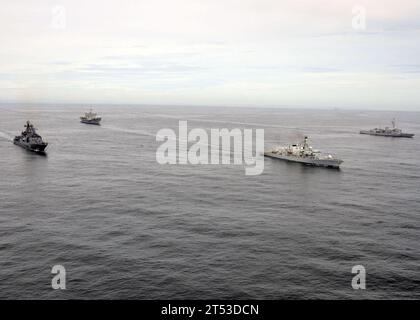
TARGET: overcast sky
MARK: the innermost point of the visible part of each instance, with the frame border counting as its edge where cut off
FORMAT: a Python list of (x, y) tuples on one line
[(214, 52)]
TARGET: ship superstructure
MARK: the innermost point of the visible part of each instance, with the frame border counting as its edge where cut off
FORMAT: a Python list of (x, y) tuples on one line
[(388, 132), (91, 118), (30, 139), (303, 153)]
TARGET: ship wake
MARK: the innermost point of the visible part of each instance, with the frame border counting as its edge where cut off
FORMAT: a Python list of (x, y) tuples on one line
[(129, 131), (5, 136), (155, 135)]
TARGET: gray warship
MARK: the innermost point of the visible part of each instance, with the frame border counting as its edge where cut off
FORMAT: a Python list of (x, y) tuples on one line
[(91, 118), (30, 140), (388, 132), (305, 154)]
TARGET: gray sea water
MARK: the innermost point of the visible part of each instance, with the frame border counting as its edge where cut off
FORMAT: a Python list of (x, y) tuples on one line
[(126, 227)]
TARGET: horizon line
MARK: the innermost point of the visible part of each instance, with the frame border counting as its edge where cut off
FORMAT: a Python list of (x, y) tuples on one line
[(300, 107)]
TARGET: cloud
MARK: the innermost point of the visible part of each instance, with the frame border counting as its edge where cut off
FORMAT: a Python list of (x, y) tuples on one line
[(202, 52), (405, 68)]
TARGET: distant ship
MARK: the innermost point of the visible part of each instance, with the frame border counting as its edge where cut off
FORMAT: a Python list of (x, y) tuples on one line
[(388, 132), (91, 118), (30, 140), (303, 153)]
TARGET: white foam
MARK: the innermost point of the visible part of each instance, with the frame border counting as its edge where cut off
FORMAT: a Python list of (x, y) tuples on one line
[(5, 135)]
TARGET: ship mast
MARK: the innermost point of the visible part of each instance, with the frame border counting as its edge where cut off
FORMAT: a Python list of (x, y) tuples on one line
[(305, 143)]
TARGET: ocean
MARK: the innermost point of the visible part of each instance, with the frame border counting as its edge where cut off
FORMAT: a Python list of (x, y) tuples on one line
[(126, 227)]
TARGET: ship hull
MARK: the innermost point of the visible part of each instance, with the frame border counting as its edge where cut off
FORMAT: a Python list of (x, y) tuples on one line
[(327, 163), (94, 122), (37, 148), (392, 135)]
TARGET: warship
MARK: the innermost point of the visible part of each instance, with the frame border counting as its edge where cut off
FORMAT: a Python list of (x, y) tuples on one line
[(388, 132), (91, 118), (303, 153), (30, 140)]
